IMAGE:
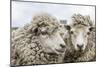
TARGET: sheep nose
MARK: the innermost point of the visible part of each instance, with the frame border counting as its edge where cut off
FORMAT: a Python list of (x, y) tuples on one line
[(62, 46), (80, 46)]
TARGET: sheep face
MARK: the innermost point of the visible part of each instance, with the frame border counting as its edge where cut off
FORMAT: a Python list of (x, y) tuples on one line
[(50, 39), (79, 36)]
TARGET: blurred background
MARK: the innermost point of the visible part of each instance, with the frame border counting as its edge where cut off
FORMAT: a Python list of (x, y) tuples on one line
[(22, 12)]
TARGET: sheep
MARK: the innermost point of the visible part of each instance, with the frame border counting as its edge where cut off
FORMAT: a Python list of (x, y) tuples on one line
[(81, 40), (38, 42)]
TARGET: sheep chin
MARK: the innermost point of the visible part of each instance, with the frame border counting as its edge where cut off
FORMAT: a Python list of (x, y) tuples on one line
[(56, 52)]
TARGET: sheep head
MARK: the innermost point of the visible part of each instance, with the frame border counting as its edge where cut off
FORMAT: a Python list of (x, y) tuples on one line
[(45, 27), (79, 32)]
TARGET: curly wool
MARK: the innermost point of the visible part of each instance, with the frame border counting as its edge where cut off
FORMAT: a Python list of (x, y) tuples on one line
[(26, 48), (80, 19)]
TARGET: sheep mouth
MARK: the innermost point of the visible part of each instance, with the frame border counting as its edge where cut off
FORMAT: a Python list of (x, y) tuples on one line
[(60, 51)]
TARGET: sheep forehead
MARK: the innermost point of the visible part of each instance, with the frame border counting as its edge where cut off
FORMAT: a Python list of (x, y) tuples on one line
[(80, 28)]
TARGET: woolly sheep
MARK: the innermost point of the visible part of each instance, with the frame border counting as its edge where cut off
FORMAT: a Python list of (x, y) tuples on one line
[(38, 42), (81, 40)]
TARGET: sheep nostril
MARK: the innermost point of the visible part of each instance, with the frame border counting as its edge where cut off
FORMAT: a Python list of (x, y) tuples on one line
[(62, 46), (80, 46)]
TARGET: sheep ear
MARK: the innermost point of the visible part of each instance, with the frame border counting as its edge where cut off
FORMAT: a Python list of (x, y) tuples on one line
[(92, 29), (35, 31), (67, 27)]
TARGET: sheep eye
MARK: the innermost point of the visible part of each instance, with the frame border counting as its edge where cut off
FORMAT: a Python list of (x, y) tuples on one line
[(71, 32), (88, 33)]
